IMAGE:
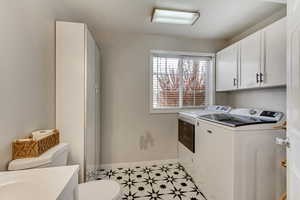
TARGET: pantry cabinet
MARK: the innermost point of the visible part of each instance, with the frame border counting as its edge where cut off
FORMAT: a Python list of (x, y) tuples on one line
[(227, 78), (78, 94), (259, 60)]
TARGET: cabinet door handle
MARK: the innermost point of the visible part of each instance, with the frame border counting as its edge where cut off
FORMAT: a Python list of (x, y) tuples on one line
[(235, 82), (261, 77), (209, 131), (257, 77)]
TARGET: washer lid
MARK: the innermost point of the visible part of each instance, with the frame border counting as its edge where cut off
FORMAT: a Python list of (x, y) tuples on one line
[(235, 120), (45, 158), (103, 189)]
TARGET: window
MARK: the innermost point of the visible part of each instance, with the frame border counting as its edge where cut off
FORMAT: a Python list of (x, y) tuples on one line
[(180, 81)]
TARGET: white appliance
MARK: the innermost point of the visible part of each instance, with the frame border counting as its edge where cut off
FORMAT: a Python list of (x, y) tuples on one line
[(236, 156), (77, 94), (186, 133)]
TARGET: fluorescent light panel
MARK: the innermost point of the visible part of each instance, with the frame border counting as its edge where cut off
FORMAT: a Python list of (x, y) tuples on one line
[(164, 16)]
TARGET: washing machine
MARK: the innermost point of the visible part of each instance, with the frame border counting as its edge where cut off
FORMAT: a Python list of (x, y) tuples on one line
[(236, 155)]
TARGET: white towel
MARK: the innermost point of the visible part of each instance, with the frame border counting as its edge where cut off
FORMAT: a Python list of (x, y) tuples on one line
[(40, 134), (24, 140)]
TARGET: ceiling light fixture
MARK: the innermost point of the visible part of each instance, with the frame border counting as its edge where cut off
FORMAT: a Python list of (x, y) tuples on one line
[(166, 16)]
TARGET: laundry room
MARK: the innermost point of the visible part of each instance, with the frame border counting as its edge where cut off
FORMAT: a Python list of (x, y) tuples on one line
[(150, 100)]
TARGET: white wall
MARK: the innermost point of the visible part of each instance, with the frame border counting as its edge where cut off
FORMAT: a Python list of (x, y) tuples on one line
[(129, 132), (269, 98), (26, 69), (276, 16)]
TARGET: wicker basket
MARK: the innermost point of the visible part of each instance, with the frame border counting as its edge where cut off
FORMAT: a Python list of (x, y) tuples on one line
[(33, 148), (283, 197)]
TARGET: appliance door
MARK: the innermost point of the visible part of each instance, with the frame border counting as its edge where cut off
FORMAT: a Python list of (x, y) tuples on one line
[(186, 134), (234, 120)]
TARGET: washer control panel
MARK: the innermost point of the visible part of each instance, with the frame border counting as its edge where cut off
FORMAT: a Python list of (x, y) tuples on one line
[(271, 115), (259, 113)]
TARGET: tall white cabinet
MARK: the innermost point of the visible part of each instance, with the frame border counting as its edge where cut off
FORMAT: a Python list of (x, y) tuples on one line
[(257, 61), (78, 94)]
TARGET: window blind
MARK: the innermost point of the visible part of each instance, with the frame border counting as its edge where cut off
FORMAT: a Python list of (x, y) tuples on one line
[(179, 81)]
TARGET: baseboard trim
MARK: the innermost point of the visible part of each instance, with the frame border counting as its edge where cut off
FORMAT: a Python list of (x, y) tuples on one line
[(141, 163)]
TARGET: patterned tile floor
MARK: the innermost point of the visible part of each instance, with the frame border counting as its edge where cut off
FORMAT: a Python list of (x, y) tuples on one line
[(156, 182)]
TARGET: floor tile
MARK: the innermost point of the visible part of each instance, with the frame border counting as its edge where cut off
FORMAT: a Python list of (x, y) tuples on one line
[(163, 186), (172, 165), (140, 176), (159, 175), (165, 181), (186, 186), (141, 189), (177, 173)]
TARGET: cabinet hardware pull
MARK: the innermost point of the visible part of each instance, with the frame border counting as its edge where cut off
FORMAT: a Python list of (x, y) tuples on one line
[(257, 77), (209, 131), (235, 82), (261, 77)]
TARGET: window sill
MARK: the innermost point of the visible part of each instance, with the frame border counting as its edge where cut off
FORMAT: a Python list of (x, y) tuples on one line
[(173, 110)]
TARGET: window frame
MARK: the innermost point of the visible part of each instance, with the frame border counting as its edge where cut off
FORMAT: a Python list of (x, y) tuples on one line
[(211, 80)]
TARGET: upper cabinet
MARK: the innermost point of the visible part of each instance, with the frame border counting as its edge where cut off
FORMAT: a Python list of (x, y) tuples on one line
[(259, 60), (227, 78), (250, 61), (274, 63)]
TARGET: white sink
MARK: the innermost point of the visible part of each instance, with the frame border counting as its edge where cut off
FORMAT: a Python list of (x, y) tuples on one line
[(54, 183), (20, 190)]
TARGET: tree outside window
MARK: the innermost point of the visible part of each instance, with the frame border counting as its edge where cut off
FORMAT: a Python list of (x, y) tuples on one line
[(180, 82)]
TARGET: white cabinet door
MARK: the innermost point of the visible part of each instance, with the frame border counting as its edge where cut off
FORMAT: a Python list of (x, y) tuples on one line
[(293, 102), (201, 159), (250, 61), (274, 66), (90, 110), (98, 107), (200, 149), (226, 69), (70, 91), (186, 158)]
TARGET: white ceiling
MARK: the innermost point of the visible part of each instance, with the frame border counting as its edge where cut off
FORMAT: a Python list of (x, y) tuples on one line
[(220, 19)]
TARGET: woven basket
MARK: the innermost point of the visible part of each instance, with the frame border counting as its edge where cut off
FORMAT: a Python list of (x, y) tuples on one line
[(283, 197), (32, 148)]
